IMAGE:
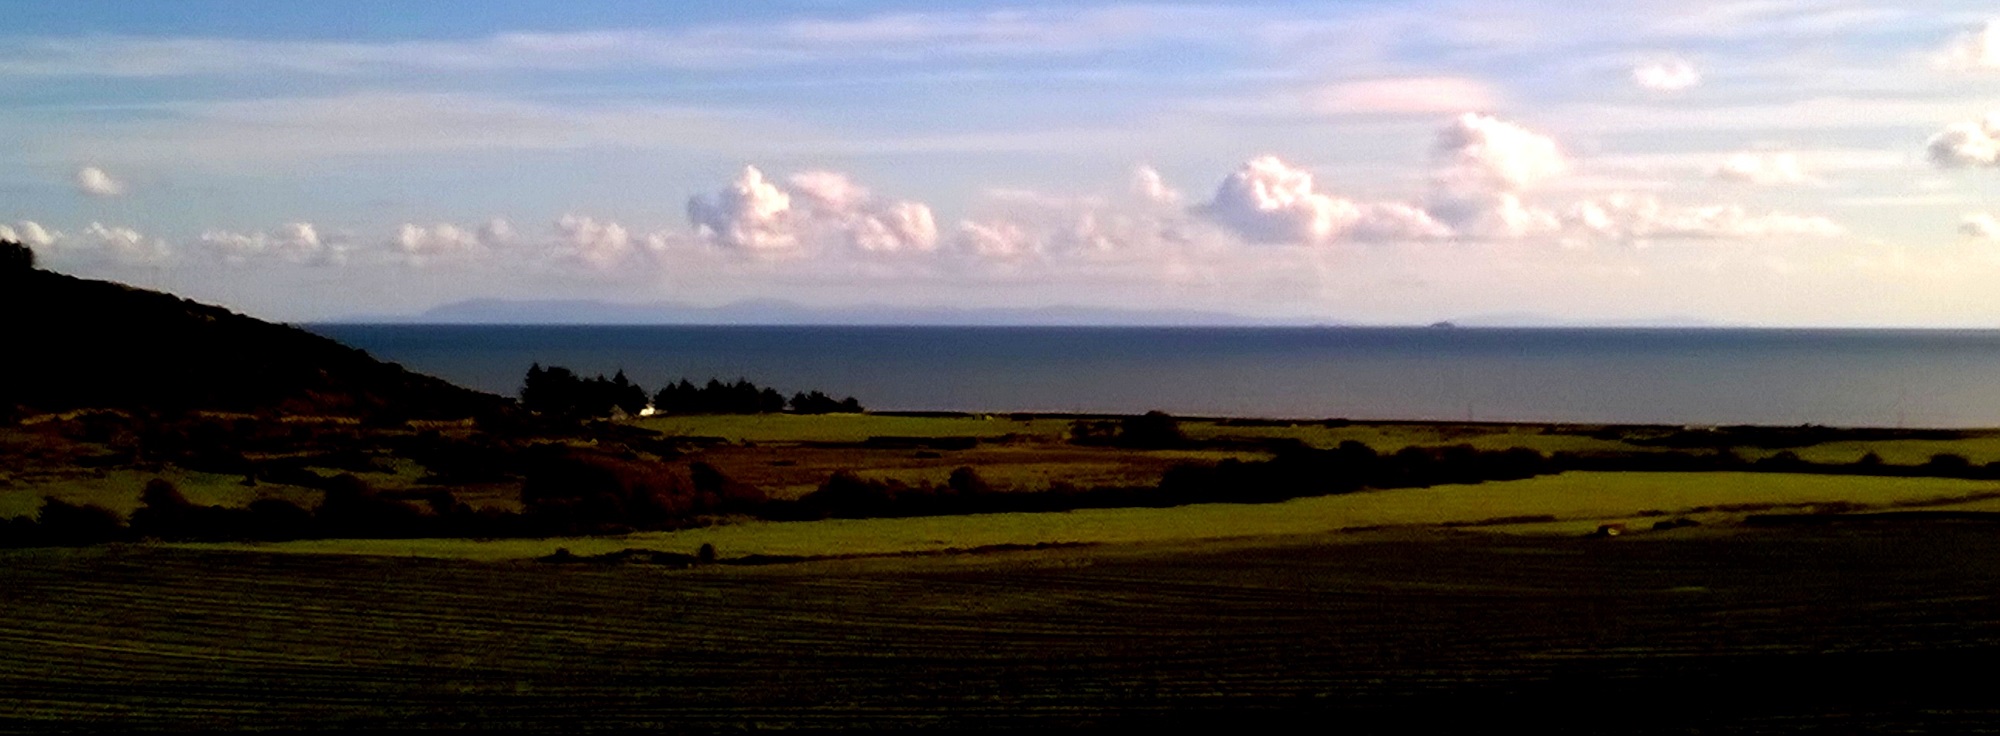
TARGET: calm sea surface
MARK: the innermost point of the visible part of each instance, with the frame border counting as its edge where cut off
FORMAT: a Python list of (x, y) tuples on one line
[(1836, 377)]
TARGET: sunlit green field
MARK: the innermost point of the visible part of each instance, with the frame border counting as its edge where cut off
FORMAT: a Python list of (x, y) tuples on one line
[(1979, 449), (119, 490), (1580, 500)]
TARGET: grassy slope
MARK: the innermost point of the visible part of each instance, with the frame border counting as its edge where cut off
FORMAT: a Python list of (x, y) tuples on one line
[(98, 344), (1584, 499)]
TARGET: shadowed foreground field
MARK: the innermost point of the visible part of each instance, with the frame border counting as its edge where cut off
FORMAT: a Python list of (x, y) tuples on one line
[(1847, 629)]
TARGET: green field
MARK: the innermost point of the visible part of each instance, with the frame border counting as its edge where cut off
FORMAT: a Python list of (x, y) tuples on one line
[(1580, 501)]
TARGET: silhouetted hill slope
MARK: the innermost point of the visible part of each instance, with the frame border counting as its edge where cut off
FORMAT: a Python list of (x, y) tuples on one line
[(70, 343)]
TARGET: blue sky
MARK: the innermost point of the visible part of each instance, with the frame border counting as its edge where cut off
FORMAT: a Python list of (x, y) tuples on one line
[(1774, 162)]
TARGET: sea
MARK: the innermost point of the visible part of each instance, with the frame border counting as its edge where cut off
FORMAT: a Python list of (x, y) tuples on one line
[(1871, 378)]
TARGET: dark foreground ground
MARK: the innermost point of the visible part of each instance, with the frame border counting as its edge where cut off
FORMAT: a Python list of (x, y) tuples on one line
[(1837, 630)]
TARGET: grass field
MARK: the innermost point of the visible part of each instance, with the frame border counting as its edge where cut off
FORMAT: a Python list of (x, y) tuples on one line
[(119, 489), (1757, 632), (1580, 501)]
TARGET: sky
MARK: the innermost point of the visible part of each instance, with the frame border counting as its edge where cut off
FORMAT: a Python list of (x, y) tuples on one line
[(1765, 162)]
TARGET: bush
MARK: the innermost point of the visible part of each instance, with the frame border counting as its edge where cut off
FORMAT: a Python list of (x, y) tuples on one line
[(62, 523)]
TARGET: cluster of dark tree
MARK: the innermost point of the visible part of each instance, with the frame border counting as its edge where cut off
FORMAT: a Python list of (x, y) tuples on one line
[(741, 397), (744, 397), (1154, 430), (558, 391)]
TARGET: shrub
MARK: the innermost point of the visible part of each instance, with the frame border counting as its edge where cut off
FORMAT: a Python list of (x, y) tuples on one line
[(63, 523)]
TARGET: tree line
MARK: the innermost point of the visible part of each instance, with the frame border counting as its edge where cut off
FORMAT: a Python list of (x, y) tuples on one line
[(559, 391)]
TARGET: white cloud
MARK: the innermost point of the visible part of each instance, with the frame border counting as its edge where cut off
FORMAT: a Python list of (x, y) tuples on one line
[(125, 245), (1666, 75), (419, 244), (496, 231), (1641, 218), (1980, 225), (96, 183), (1972, 50), (28, 232), (297, 242), (834, 202), (757, 216), (1270, 201), (995, 240), (599, 244), (1153, 189), (1482, 165), (1488, 213), (96, 243), (1966, 144), (751, 214), (1487, 152), (1763, 169)]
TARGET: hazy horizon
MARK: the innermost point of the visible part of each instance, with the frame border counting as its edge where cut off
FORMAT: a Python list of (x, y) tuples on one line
[(1790, 164)]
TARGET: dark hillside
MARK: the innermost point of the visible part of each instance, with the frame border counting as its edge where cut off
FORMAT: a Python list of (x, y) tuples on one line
[(70, 343)]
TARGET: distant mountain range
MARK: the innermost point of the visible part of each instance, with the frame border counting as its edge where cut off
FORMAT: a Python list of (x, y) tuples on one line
[(776, 312), (1531, 319), (779, 312)]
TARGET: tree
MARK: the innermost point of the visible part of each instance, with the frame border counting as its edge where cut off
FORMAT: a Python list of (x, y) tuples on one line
[(1154, 429), (16, 257), (625, 394)]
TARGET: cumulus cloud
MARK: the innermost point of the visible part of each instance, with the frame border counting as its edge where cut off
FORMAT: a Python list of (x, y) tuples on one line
[(1642, 217), (1969, 143), (28, 232), (1666, 75), (125, 245), (1763, 169), (598, 244), (418, 243), (96, 183), (1482, 165), (1489, 213), (750, 214), (836, 204), (1270, 201), (997, 240), (1487, 152), (1980, 225), (95, 243), (297, 242), (756, 215), (1153, 189), (1975, 49)]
